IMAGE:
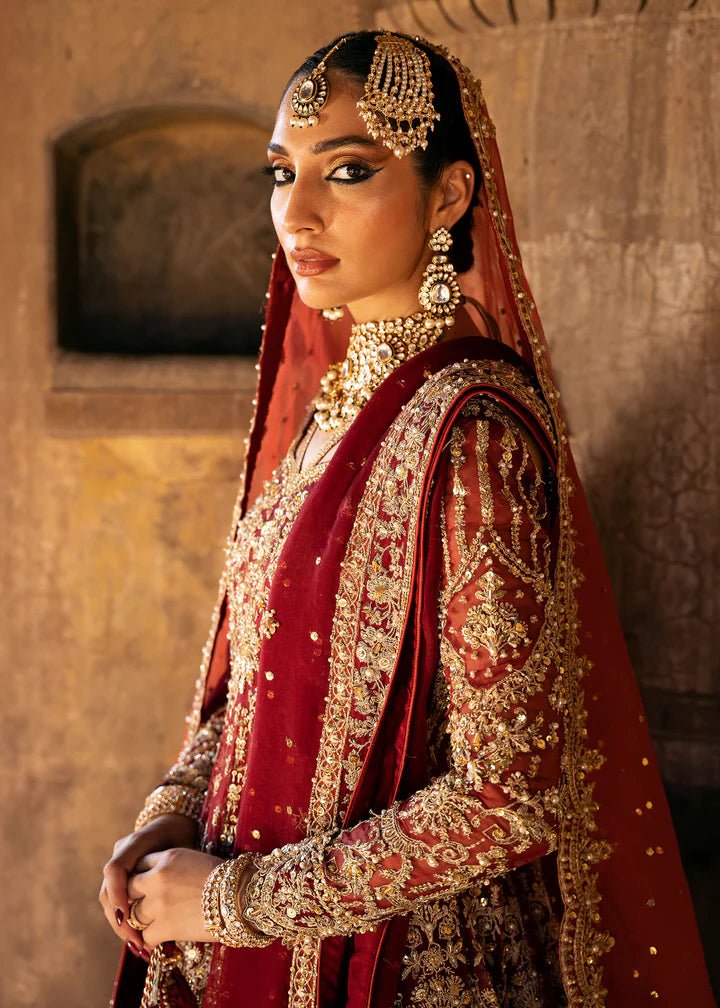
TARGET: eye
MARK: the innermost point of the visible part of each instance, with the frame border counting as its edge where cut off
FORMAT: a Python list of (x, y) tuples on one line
[(352, 172), (279, 174)]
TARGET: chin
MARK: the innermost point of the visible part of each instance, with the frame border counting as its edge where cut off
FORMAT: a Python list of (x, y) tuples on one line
[(312, 297)]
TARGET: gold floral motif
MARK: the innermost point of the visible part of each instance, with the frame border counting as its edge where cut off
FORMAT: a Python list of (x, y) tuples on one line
[(348, 888), (493, 624)]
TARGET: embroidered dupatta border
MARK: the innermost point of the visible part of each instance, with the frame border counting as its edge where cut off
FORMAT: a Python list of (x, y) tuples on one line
[(374, 597)]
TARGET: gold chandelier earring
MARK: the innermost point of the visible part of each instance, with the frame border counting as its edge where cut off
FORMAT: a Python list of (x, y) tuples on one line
[(439, 293)]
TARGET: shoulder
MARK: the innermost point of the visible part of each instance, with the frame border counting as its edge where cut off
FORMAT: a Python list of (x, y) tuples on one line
[(492, 466), (497, 389), (485, 420)]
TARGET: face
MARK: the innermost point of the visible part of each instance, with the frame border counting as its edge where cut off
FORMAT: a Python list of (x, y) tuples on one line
[(351, 217)]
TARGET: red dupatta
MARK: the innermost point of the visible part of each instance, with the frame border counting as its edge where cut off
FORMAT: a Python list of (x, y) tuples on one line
[(628, 933)]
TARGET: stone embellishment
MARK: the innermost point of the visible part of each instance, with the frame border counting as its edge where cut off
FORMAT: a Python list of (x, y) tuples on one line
[(440, 292), (310, 95), (397, 105), (374, 351)]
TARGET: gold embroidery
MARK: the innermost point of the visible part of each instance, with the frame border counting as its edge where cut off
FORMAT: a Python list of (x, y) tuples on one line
[(348, 888), (193, 766), (363, 654), (252, 562), (433, 960), (297, 904), (493, 624)]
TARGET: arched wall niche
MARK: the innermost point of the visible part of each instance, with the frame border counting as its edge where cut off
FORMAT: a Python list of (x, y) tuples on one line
[(163, 235)]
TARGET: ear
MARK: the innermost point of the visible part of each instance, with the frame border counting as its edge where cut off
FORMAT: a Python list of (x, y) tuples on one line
[(452, 195)]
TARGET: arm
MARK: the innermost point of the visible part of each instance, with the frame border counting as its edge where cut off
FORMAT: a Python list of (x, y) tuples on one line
[(184, 787), (495, 807)]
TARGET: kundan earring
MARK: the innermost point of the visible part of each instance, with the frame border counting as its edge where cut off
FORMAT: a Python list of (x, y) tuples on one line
[(439, 293), (333, 314)]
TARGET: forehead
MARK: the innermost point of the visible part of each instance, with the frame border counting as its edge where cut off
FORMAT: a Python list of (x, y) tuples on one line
[(339, 116)]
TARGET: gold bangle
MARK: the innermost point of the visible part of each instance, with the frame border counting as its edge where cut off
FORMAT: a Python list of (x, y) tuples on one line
[(170, 798), (221, 913)]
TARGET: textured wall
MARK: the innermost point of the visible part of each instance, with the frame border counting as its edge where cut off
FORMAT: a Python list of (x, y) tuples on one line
[(118, 481)]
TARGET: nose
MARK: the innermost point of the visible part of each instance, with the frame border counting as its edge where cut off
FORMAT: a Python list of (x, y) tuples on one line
[(300, 207)]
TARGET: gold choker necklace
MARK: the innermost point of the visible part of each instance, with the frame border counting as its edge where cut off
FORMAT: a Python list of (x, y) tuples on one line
[(374, 351)]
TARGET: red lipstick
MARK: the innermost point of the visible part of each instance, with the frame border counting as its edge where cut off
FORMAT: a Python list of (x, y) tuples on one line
[(311, 262)]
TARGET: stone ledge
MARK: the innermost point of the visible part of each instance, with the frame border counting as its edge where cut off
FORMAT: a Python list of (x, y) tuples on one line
[(87, 413), (110, 394)]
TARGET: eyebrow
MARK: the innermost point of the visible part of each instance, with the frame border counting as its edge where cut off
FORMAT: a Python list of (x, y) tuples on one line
[(324, 146)]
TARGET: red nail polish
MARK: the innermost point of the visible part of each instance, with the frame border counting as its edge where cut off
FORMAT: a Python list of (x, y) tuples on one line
[(145, 955), (134, 949), (119, 916)]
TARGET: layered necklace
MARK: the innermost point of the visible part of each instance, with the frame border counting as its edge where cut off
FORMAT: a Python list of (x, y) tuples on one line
[(374, 351)]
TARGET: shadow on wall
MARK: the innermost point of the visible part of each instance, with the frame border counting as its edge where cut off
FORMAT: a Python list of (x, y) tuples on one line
[(651, 493)]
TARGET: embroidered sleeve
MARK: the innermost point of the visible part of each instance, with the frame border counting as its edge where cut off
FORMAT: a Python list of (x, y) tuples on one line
[(185, 785), (495, 808)]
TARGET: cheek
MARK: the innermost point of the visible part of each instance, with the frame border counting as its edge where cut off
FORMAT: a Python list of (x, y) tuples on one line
[(388, 229), (275, 211)]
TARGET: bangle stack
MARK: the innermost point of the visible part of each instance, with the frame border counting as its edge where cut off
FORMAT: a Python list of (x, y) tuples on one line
[(221, 910), (170, 798)]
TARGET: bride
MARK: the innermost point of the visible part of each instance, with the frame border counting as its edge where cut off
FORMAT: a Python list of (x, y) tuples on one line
[(417, 771)]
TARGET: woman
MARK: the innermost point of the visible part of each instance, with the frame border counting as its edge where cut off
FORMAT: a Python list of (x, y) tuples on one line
[(417, 770)]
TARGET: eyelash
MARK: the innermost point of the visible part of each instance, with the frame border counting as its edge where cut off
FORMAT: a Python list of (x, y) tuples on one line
[(367, 172)]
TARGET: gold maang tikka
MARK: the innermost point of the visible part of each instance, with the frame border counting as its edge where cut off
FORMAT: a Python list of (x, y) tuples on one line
[(312, 92)]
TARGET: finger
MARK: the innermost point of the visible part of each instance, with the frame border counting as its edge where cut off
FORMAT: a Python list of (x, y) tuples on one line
[(139, 952), (116, 910), (136, 887), (115, 875), (152, 937), (110, 913), (148, 862)]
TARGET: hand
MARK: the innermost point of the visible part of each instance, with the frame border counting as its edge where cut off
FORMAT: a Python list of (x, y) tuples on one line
[(169, 886), (162, 833)]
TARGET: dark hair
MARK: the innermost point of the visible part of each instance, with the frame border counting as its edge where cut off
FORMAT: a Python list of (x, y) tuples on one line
[(449, 141)]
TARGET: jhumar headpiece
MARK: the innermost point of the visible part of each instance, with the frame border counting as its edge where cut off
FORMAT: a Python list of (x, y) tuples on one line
[(312, 92), (397, 106)]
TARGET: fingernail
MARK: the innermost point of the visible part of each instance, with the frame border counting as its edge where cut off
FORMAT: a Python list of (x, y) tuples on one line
[(134, 949), (119, 916), (145, 955)]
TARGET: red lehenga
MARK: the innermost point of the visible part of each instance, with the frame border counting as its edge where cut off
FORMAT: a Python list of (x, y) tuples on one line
[(415, 700)]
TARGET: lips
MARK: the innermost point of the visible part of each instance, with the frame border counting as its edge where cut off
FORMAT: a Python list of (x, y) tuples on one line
[(310, 262)]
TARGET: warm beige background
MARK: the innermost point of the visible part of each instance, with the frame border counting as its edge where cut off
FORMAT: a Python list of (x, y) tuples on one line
[(118, 482)]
